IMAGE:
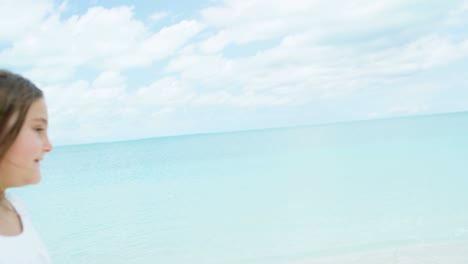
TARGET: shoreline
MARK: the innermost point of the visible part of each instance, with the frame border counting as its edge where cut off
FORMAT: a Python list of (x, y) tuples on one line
[(434, 253)]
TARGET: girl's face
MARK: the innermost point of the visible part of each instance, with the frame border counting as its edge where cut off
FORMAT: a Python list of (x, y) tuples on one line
[(20, 165)]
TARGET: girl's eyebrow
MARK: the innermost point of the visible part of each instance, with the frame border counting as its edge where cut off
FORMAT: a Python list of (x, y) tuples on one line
[(43, 120)]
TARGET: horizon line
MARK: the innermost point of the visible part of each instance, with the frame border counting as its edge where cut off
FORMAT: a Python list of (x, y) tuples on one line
[(270, 128)]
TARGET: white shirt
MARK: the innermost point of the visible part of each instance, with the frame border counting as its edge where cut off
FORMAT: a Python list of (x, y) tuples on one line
[(25, 248)]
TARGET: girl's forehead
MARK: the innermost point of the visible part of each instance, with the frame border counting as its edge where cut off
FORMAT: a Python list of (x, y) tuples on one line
[(38, 110)]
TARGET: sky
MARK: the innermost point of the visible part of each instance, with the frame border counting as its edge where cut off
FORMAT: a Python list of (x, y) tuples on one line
[(115, 70)]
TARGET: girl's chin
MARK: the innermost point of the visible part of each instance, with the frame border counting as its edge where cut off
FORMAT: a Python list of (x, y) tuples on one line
[(33, 178), (37, 178)]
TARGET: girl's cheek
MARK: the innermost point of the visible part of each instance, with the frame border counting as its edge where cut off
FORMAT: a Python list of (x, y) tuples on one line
[(25, 142)]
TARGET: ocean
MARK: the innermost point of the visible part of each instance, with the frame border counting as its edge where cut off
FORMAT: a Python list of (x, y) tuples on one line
[(333, 193)]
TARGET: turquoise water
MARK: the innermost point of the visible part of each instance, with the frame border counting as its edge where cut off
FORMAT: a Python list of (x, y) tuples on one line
[(267, 196)]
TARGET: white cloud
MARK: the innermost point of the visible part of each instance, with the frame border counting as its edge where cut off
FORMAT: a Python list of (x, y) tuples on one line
[(108, 88), (108, 39), (408, 99), (317, 52), (105, 108), (426, 53), (157, 16), (241, 22), (81, 100), (246, 99), (158, 46), (203, 70), (402, 109), (77, 40), (19, 17), (50, 74), (412, 109), (300, 71), (303, 67), (166, 92), (459, 15)]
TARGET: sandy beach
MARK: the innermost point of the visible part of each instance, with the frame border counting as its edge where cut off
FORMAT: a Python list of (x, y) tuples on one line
[(447, 253)]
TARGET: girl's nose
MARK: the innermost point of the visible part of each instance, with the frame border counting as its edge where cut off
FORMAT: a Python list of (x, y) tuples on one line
[(47, 145)]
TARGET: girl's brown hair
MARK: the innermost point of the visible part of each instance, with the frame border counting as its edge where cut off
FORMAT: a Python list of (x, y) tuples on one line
[(17, 94)]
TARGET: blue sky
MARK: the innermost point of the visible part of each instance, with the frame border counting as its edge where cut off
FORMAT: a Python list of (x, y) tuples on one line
[(119, 70)]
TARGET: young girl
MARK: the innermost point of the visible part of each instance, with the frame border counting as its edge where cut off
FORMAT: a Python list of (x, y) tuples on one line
[(23, 144)]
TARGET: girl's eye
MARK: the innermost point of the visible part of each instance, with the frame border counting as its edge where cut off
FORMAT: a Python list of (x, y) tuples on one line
[(38, 129)]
